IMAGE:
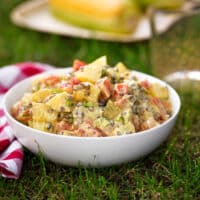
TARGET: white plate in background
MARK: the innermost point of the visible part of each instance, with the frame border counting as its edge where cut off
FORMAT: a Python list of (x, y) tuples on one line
[(35, 15)]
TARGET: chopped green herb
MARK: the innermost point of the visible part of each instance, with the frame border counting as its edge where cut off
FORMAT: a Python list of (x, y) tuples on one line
[(121, 119), (69, 103), (57, 90), (103, 72), (88, 104)]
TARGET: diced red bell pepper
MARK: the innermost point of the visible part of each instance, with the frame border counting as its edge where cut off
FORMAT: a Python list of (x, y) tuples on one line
[(120, 90), (21, 113), (74, 81), (90, 131), (121, 102), (161, 107), (51, 80), (66, 87), (105, 87), (146, 84), (77, 64), (63, 125), (155, 101)]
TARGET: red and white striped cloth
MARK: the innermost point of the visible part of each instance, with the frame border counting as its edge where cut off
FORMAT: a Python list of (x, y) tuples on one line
[(11, 152)]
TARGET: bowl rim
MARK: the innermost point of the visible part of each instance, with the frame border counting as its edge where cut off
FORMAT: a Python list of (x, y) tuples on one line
[(67, 71)]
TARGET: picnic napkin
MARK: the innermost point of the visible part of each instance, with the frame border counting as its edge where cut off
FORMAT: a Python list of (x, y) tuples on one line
[(11, 152)]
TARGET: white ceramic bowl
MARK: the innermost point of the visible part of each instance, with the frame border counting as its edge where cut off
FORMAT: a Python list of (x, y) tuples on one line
[(89, 151)]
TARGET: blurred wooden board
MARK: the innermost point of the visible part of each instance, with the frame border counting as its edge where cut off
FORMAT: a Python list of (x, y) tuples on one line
[(35, 15)]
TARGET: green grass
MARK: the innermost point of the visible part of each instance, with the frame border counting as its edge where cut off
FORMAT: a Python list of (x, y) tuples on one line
[(170, 172)]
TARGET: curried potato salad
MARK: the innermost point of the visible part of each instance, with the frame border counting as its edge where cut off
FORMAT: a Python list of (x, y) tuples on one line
[(94, 100)]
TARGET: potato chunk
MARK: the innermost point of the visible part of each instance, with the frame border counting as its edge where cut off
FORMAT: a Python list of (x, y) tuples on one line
[(89, 93), (60, 102), (111, 110), (40, 95), (43, 112), (42, 126), (93, 71), (159, 91)]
